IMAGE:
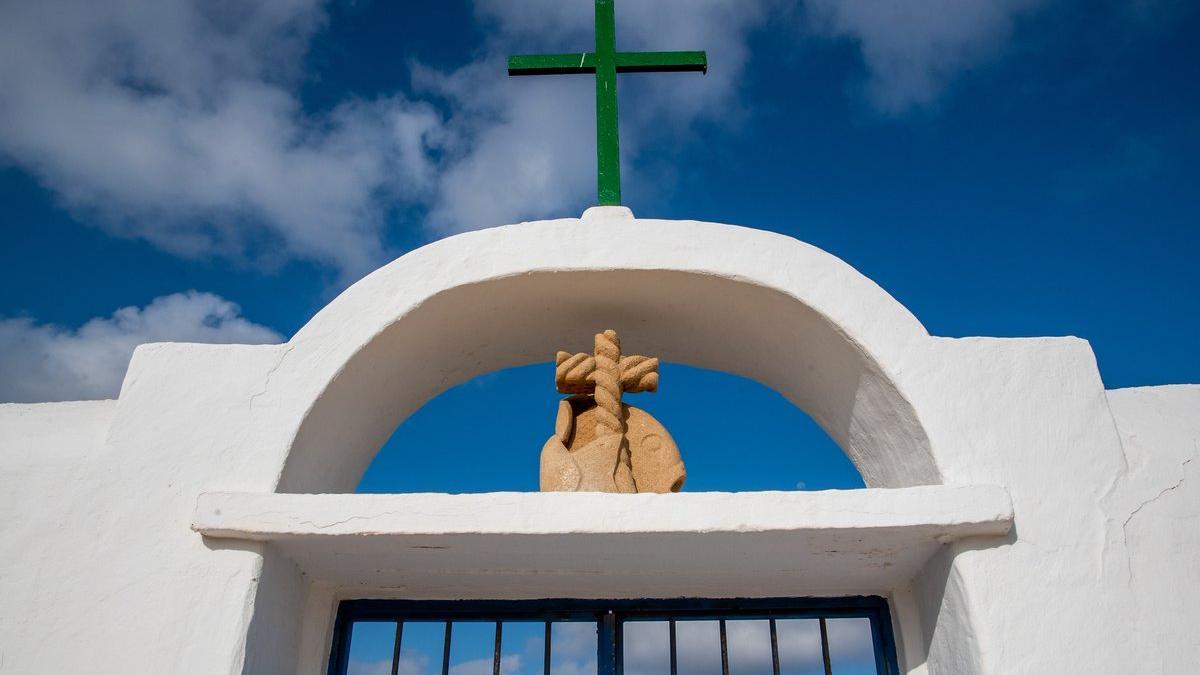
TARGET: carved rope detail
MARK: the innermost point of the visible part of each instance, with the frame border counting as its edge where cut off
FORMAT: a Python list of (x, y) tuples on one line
[(639, 373), (606, 375), (607, 380), (572, 373)]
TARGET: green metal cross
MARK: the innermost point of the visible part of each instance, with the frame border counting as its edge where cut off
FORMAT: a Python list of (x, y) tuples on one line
[(606, 62)]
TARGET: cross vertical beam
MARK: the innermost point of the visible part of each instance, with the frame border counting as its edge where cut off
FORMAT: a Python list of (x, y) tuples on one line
[(608, 153), (605, 63)]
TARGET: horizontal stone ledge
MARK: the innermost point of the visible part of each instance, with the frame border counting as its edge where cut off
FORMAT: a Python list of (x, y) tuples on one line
[(939, 513)]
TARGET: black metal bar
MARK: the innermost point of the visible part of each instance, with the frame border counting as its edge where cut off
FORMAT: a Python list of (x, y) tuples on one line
[(619, 645), (446, 649), (774, 649), (496, 653), (724, 650), (575, 609), (546, 652), (339, 653), (606, 645), (674, 656), (396, 648), (825, 647), (881, 629)]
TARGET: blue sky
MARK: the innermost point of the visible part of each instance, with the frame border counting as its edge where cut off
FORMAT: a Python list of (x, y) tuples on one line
[(193, 171)]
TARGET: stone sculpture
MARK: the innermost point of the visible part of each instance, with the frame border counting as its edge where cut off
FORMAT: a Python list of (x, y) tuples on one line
[(599, 443)]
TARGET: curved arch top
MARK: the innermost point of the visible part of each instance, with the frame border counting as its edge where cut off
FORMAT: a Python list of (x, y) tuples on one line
[(749, 302)]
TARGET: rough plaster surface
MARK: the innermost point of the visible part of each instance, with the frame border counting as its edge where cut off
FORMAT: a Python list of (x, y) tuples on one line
[(1154, 520), (522, 545), (100, 570), (944, 512)]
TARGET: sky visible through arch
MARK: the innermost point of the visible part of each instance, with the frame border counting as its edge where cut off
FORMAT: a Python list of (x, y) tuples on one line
[(487, 434)]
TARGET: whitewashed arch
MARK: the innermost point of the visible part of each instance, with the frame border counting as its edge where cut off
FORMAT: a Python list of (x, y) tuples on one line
[(748, 302)]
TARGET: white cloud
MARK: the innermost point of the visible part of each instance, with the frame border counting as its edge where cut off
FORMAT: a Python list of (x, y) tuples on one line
[(178, 121), (530, 142), (912, 50), (509, 664), (647, 646), (44, 362), (530, 148), (574, 638), (375, 668), (175, 121), (419, 664)]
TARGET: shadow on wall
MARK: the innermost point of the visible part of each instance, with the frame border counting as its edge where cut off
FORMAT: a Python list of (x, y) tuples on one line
[(272, 639), (940, 593)]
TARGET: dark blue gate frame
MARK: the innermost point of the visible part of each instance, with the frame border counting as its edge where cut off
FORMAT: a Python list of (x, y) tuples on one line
[(610, 615)]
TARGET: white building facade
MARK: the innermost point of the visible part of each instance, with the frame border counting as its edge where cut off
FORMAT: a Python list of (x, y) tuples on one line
[(1018, 518)]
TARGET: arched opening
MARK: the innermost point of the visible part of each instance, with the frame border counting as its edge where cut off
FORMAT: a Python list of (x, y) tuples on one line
[(754, 305), (485, 435), (704, 320)]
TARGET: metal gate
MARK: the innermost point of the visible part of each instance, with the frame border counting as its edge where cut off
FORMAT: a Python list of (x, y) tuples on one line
[(774, 624)]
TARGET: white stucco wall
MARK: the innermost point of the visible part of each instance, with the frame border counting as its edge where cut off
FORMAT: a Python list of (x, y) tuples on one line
[(1155, 512), (53, 503), (94, 575), (100, 570)]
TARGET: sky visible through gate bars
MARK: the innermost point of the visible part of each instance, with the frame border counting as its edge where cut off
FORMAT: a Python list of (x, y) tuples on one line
[(646, 648)]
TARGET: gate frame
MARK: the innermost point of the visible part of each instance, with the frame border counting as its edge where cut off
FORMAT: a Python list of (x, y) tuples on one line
[(610, 616)]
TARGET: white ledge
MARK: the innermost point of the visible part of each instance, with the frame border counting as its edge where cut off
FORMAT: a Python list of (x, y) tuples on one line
[(948, 512), (603, 545)]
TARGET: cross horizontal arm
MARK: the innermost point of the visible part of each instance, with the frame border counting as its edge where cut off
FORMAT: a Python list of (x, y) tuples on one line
[(573, 373), (626, 62), (662, 62), (552, 64)]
